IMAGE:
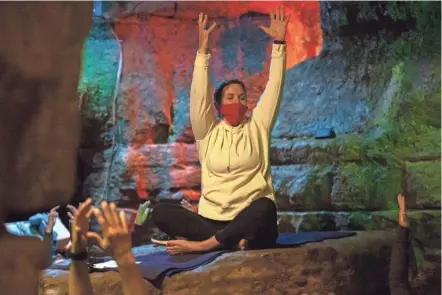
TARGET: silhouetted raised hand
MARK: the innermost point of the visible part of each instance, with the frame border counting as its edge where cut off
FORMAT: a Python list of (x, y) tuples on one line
[(116, 234)]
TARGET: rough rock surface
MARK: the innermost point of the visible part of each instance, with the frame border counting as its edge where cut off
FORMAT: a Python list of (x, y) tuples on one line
[(340, 267), (155, 80), (40, 62), (366, 74), (356, 85), (38, 96)]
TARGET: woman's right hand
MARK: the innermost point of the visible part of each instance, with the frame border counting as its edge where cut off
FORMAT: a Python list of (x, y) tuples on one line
[(204, 33)]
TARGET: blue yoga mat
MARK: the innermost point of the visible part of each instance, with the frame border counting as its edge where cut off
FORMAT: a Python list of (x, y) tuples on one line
[(161, 263), (287, 240)]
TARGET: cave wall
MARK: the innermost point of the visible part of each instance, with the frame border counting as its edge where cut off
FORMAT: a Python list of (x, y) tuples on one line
[(370, 70)]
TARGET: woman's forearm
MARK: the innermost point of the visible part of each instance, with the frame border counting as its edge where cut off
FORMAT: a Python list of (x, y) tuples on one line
[(268, 105), (131, 278), (79, 281)]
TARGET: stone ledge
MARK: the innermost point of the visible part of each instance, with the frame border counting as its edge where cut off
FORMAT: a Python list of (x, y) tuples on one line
[(283, 152), (424, 224), (314, 183), (343, 266)]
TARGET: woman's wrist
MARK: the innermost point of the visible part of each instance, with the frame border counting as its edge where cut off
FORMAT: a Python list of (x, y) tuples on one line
[(78, 246), (203, 50), (124, 258), (279, 41)]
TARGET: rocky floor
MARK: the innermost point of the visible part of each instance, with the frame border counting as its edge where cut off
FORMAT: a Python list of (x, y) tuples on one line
[(356, 266)]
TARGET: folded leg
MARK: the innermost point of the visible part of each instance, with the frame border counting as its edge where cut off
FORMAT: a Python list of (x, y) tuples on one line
[(257, 224), (177, 221)]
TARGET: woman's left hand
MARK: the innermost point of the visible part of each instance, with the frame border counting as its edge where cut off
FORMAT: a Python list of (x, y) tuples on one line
[(116, 233), (278, 24)]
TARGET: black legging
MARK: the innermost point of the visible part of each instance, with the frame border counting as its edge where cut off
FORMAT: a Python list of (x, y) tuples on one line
[(257, 224)]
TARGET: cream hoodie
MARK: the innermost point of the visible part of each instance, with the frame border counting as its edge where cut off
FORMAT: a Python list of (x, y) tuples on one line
[(235, 161)]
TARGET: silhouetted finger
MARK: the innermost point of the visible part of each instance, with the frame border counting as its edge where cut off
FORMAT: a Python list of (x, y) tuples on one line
[(100, 219), (72, 209), (107, 213), (89, 213), (123, 221), (114, 214), (84, 207), (103, 243), (55, 209)]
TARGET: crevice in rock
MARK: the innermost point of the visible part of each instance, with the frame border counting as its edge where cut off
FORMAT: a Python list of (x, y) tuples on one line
[(356, 26), (253, 14)]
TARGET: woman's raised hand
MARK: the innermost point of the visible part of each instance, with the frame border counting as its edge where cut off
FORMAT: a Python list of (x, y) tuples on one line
[(116, 233), (79, 224), (278, 24), (403, 220), (52, 218), (204, 33)]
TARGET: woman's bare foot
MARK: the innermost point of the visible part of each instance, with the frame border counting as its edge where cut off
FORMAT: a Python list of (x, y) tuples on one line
[(242, 245), (183, 246)]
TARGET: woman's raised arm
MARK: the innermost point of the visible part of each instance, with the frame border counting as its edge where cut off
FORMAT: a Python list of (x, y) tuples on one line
[(202, 111), (268, 105)]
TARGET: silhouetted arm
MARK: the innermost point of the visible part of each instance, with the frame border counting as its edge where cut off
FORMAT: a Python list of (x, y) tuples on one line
[(131, 279), (117, 236), (79, 282), (398, 275)]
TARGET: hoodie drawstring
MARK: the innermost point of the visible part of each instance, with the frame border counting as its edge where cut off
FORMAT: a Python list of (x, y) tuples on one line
[(230, 135)]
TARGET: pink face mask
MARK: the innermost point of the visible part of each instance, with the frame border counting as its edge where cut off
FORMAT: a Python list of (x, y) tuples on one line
[(234, 113)]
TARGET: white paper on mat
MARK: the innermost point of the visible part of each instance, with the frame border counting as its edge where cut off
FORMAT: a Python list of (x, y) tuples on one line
[(109, 264)]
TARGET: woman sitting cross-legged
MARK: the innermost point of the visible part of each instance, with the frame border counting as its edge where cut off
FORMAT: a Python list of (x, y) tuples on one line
[(237, 205)]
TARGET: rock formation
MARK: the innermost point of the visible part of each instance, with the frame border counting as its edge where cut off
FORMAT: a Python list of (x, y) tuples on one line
[(370, 71), (40, 61)]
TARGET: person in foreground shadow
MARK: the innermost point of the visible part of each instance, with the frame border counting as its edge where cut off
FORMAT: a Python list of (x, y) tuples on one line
[(116, 236), (398, 275), (237, 205)]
